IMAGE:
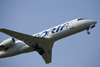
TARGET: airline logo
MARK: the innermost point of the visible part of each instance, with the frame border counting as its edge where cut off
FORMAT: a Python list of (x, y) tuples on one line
[(53, 30)]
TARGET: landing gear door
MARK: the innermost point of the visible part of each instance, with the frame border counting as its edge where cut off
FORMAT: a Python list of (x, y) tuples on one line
[(71, 25)]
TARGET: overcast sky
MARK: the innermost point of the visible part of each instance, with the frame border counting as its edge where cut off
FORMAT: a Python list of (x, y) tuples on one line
[(33, 16)]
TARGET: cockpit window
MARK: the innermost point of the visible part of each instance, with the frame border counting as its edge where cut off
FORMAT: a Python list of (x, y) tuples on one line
[(80, 19)]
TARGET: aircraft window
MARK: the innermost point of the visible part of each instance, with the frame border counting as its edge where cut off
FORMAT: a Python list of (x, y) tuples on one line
[(80, 19)]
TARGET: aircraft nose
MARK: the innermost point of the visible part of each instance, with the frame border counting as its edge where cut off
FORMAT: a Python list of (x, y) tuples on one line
[(92, 21), (95, 22), (89, 22)]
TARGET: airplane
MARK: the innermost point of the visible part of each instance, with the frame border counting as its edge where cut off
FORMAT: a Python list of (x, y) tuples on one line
[(42, 42)]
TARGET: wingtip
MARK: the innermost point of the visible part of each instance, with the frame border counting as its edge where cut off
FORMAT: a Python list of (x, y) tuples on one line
[(47, 62), (1, 28)]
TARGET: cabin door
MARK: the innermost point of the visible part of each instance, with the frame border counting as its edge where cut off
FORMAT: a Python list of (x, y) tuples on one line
[(71, 25)]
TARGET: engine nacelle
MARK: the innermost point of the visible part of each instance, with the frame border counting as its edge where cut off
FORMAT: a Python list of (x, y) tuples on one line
[(8, 43)]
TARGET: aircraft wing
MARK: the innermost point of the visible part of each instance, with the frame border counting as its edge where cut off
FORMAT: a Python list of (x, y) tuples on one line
[(47, 56), (29, 40)]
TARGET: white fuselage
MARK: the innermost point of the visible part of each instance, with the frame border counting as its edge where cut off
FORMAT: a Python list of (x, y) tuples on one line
[(53, 34)]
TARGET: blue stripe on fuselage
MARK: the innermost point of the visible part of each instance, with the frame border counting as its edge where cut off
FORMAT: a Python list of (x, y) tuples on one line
[(53, 30)]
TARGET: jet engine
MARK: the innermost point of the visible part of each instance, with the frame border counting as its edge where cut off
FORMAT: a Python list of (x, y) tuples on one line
[(8, 43)]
